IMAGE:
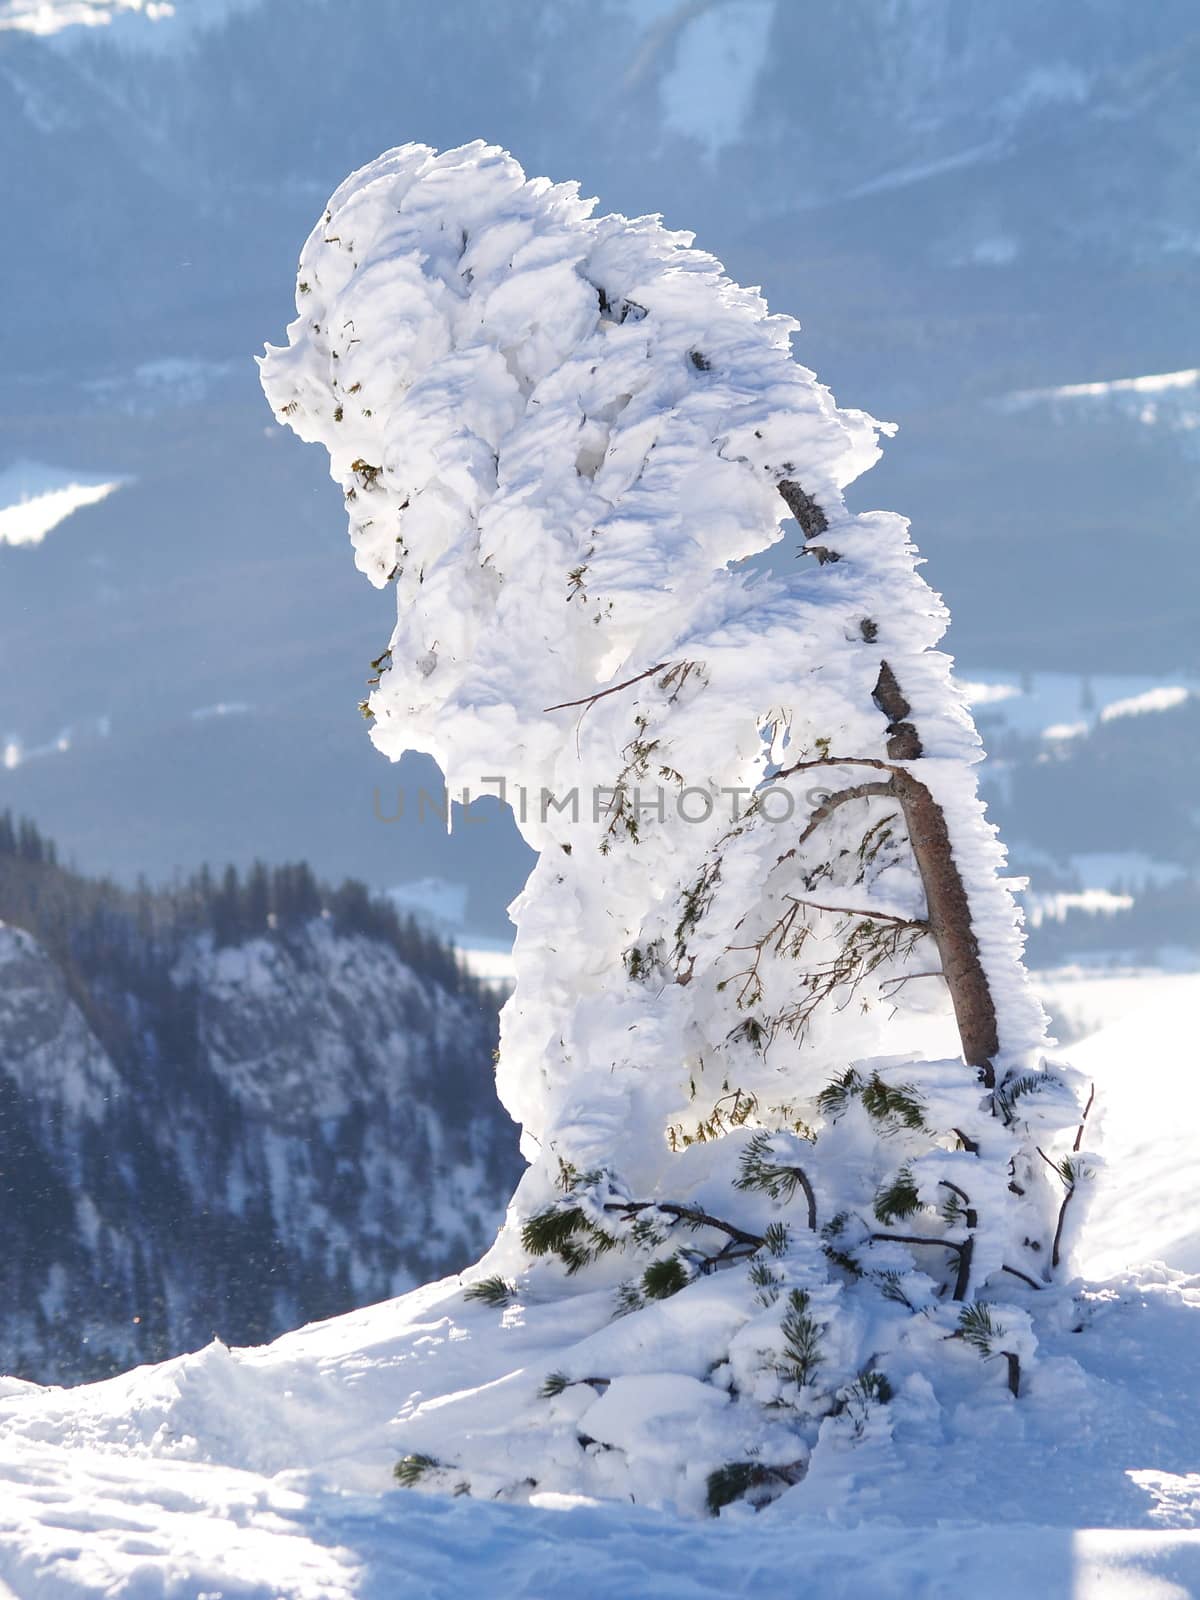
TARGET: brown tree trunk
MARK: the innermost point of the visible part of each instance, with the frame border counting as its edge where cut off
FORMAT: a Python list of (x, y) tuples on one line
[(949, 910)]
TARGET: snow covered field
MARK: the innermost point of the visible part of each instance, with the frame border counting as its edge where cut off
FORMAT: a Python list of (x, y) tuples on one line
[(248, 1475)]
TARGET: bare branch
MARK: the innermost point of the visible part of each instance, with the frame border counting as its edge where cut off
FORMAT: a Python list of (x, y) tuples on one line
[(691, 1215), (1024, 1276), (1070, 1184), (1079, 1136), (853, 911), (837, 761), (825, 810), (590, 699), (907, 977)]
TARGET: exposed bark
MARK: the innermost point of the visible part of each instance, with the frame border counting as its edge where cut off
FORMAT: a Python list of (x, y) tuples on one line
[(1014, 1373), (804, 508), (904, 743), (950, 923), (949, 909)]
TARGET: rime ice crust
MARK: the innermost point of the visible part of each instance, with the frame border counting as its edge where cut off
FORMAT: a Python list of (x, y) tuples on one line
[(557, 436)]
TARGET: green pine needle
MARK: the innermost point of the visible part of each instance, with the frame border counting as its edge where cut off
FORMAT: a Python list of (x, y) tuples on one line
[(730, 1483), (766, 1284), (493, 1291), (898, 1199), (409, 1470), (554, 1384), (759, 1170), (662, 1279), (777, 1238), (977, 1329), (546, 1232), (802, 1340), (836, 1096), (899, 1102)]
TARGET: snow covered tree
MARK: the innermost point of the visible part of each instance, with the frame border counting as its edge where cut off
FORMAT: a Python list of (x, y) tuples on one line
[(796, 1149)]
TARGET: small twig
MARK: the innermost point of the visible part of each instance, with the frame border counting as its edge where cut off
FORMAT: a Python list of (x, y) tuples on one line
[(1083, 1119), (802, 1179), (839, 761), (853, 911), (972, 1218), (689, 1214), (1056, 1248), (916, 1238), (1024, 1277), (1014, 1373), (971, 1146), (825, 810), (963, 1249), (590, 699), (908, 976)]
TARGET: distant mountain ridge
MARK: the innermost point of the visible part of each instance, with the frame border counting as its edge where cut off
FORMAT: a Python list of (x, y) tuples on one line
[(961, 202), (226, 1109)]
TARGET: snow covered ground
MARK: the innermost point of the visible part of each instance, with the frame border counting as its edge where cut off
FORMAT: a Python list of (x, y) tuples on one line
[(255, 1474)]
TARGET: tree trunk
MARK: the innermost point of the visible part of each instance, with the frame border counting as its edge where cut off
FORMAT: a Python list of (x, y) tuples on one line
[(949, 910), (946, 900)]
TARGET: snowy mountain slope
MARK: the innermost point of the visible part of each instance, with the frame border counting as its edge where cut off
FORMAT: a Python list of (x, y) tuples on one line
[(265, 1472)]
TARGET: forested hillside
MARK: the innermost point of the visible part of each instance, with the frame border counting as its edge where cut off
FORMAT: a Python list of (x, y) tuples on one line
[(227, 1107)]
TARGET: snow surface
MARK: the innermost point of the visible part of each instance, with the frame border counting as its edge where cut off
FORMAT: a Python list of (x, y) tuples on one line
[(35, 498), (257, 1474)]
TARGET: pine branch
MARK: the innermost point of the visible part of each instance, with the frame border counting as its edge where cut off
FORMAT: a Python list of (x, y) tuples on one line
[(494, 1291), (691, 1216), (662, 1279), (409, 1470), (802, 1338), (963, 1250), (1069, 1174), (557, 1382), (976, 1328), (774, 1178), (899, 1199)]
